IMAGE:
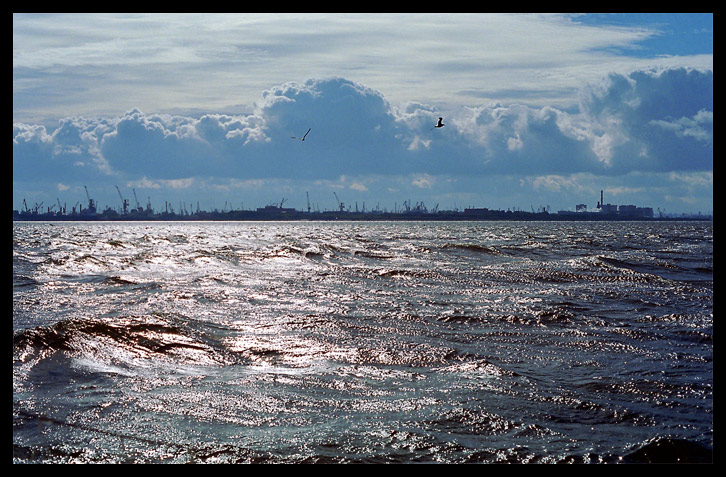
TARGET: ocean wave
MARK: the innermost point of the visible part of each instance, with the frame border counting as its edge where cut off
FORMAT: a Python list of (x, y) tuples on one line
[(373, 255), (477, 367), (133, 337), (666, 450), (471, 247), (21, 281)]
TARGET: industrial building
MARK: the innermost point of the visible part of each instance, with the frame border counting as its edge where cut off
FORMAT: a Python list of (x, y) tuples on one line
[(603, 209)]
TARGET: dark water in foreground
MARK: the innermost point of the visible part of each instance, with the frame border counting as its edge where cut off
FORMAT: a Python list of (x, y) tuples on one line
[(363, 342)]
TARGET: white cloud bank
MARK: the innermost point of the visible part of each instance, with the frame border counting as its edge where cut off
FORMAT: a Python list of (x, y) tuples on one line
[(646, 122)]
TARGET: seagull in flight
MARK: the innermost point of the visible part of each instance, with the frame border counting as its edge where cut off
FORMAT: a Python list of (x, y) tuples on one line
[(439, 124), (301, 138)]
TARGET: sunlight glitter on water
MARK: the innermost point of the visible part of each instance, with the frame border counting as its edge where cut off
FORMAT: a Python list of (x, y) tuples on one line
[(361, 342)]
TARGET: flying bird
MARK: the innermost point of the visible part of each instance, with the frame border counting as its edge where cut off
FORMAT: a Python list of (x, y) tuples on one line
[(439, 124), (301, 138)]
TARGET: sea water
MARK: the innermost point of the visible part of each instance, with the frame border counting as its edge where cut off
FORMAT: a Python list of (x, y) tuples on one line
[(362, 342)]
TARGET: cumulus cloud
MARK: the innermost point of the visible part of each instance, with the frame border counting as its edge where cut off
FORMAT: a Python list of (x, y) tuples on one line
[(699, 127), (645, 121), (655, 120)]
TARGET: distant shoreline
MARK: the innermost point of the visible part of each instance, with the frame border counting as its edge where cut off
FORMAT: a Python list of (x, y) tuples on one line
[(297, 216)]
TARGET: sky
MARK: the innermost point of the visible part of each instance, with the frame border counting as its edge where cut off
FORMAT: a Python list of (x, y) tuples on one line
[(540, 110)]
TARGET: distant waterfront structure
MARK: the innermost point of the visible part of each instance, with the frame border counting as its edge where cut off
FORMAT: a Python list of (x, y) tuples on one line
[(631, 210), (603, 209), (276, 211)]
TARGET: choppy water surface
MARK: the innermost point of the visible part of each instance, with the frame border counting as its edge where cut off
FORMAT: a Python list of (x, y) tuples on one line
[(363, 342)]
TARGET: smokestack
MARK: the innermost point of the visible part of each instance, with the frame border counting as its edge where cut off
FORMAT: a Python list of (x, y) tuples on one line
[(601, 202)]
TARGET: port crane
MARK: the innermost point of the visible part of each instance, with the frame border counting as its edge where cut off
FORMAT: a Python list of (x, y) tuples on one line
[(124, 202), (341, 205), (91, 203), (136, 199)]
